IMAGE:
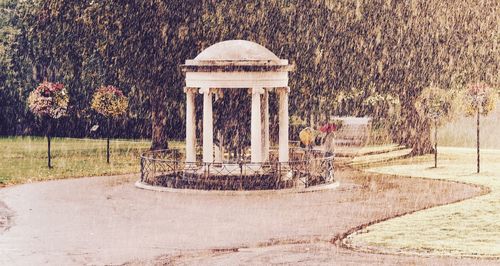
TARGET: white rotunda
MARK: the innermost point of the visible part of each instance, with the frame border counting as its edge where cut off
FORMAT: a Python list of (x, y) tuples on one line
[(236, 65)]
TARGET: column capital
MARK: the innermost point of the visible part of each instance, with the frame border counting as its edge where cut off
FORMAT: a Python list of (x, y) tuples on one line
[(206, 90), (283, 89), (256, 90), (190, 90)]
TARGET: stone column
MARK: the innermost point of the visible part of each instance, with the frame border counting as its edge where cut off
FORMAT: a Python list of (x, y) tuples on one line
[(190, 125), (208, 126), (283, 124), (256, 127), (265, 126)]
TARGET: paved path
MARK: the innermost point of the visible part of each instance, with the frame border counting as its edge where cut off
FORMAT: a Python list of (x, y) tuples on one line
[(106, 220)]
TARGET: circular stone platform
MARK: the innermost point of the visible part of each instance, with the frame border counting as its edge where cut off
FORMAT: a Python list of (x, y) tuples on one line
[(329, 186)]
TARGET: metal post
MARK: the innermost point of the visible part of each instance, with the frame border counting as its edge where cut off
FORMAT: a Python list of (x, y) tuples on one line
[(477, 133), (142, 169), (107, 142), (277, 177), (48, 143), (279, 171), (435, 144), (107, 150), (48, 150), (241, 174), (209, 165), (175, 171)]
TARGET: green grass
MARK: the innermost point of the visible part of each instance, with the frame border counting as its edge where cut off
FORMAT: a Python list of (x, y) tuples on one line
[(24, 159), (462, 131), (467, 228)]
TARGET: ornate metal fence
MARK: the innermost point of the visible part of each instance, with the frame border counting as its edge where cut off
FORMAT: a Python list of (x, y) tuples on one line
[(305, 168)]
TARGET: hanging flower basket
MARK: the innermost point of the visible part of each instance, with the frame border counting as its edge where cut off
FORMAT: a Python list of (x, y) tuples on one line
[(109, 101), (480, 97), (49, 100), (331, 127)]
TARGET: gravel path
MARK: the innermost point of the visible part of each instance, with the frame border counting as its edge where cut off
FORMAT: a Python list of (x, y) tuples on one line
[(106, 220)]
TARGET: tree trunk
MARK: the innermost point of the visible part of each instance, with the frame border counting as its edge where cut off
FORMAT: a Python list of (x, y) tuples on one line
[(477, 142), (422, 148), (159, 137), (413, 132), (420, 141)]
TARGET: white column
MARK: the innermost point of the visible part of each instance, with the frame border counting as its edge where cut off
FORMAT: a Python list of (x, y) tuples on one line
[(208, 126), (283, 124), (256, 127), (265, 126), (190, 125)]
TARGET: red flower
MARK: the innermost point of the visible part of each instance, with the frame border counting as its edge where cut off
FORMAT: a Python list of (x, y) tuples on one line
[(47, 89), (58, 86), (328, 128), (110, 89)]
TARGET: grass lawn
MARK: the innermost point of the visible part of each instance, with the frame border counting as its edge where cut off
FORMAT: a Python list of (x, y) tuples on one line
[(24, 159), (468, 228)]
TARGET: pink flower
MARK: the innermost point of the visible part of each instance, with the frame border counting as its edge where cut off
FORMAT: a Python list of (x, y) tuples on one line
[(478, 88), (110, 89), (58, 86), (48, 88), (49, 99), (328, 128)]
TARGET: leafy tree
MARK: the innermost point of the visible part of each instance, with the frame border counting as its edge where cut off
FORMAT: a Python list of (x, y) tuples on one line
[(394, 48), (8, 98)]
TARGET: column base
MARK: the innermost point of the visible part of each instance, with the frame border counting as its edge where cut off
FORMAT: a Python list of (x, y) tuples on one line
[(190, 167), (285, 172)]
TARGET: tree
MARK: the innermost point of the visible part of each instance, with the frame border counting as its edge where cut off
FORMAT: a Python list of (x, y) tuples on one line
[(480, 100), (392, 48), (434, 104), (11, 104), (141, 44)]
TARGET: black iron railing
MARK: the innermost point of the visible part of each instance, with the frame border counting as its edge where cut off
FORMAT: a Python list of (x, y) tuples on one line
[(169, 168)]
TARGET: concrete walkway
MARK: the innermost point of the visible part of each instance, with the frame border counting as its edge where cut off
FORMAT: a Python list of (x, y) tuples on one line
[(107, 221)]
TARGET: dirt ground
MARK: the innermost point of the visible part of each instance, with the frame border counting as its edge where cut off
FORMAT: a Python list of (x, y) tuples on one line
[(107, 221)]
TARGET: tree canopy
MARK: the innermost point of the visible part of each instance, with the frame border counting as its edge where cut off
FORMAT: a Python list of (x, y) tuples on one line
[(351, 57)]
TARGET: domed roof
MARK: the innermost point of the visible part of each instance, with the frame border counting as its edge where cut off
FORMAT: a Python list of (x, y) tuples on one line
[(236, 50), (236, 64), (236, 55)]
